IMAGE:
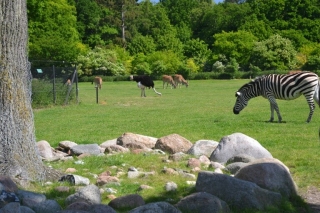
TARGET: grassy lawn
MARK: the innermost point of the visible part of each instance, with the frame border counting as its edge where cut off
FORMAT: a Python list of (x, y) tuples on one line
[(201, 111)]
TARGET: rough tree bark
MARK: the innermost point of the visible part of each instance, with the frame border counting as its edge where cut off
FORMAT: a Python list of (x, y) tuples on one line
[(18, 154)]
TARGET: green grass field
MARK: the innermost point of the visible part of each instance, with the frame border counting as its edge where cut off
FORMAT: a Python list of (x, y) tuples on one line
[(201, 111)]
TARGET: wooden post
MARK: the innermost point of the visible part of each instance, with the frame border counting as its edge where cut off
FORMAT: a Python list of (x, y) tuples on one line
[(54, 85), (97, 95)]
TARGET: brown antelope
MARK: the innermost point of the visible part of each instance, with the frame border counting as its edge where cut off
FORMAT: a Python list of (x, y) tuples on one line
[(169, 80), (68, 83), (179, 80), (97, 81), (294, 71)]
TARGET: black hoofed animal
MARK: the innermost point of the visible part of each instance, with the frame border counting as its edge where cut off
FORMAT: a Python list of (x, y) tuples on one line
[(143, 82)]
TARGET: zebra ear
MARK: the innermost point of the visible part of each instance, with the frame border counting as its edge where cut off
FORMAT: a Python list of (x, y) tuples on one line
[(238, 94)]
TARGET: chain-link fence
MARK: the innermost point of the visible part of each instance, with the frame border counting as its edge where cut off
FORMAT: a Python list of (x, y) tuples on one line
[(54, 82)]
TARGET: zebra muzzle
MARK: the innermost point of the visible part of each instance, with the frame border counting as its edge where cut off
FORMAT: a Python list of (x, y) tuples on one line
[(235, 111)]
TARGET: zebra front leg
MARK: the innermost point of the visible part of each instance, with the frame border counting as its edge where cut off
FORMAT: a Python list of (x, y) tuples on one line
[(272, 113), (274, 106)]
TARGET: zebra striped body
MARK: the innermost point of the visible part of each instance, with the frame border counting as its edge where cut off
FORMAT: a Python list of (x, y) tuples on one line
[(285, 87)]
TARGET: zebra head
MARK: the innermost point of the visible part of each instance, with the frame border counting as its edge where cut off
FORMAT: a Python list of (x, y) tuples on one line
[(244, 94), (241, 103)]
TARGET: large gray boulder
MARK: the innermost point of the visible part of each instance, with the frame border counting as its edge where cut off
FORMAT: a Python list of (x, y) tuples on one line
[(92, 149), (30, 199), (202, 202), (238, 144), (136, 141), (158, 207), (48, 206), (101, 208), (45, 149), (89, 194), (109, 143), (12, 207), (271, 174), (66, 145), (127, 202), (173, 143), (238, 193), (203, 147)]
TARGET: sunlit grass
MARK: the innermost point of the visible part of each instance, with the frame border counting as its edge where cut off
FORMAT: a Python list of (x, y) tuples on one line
[(202, 111)]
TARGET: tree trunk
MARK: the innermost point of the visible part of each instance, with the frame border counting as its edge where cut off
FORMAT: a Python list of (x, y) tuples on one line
[(18, 153)]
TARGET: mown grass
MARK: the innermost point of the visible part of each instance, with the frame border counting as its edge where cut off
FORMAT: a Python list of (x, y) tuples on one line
[(202, 111)]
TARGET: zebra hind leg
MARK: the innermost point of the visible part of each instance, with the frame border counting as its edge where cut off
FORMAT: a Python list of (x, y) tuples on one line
[(311, 106)]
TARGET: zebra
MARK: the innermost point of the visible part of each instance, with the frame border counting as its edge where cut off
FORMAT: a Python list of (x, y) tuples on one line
[(276, 86)]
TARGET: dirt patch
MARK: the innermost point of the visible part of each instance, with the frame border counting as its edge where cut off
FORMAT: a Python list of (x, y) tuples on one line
[(312, 197)]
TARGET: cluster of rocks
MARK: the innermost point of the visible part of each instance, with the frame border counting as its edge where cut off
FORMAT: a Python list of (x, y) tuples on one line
[(253, 179)]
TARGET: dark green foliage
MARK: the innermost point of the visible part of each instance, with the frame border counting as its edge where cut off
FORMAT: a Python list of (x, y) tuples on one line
[(198, 50), (237, 45), (141, 44), (274, 53), (52, 30), (91, 24), (313, 63), (197, 32)]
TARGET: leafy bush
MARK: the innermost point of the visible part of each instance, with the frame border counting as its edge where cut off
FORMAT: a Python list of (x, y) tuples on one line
[(203, 75), (100, 62)]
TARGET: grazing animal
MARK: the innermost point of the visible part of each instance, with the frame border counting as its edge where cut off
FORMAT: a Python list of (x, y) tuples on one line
[(179, 80), (97, 81), (68, 83), (294, 71), (143, 82), (169, 80), (285, 87)]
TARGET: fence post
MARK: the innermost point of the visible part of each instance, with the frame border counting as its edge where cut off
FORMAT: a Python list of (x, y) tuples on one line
[(54, 85), (97, 95)]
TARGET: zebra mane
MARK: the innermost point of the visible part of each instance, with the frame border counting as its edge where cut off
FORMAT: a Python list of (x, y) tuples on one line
[(258, 78), (252, 82)]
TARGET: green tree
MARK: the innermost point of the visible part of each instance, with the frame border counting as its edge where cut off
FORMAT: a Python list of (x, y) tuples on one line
[(232, 67), (91, 23), (313, 57), (179, 10), (140, 65), (154, 22), (198, 50), (53, 33), (258, 28), (164, 62), (313, 63), (192, 66), (275, 53), (296, 37), (302, 16), (141, 44), (100, 62), (222, 17), (121, 15), (237, 45)]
